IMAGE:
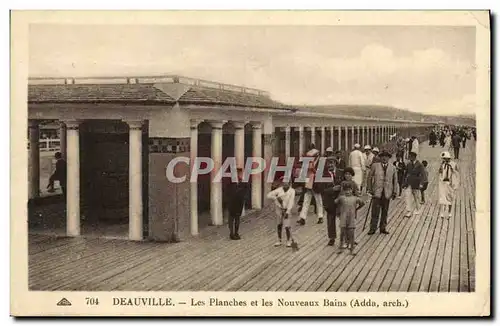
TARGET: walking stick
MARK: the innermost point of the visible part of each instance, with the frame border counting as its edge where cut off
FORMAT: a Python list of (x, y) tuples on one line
[(367, 212)]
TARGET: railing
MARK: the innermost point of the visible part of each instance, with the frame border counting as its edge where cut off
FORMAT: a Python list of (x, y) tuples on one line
[(48, 145), (145, 80)]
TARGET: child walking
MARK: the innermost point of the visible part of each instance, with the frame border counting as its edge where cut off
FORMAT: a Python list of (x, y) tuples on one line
[(284, 198), (348, 204), (425, 181)]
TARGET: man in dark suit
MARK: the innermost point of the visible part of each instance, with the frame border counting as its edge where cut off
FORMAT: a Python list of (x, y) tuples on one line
[(59, 174), (238, 192), (340, 165), (383, 185), (415, 173), (456, 139)]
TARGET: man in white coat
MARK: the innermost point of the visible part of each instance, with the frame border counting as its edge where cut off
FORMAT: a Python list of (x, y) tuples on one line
[(357, 163), (414, 145), (368, 157), (310, 189)]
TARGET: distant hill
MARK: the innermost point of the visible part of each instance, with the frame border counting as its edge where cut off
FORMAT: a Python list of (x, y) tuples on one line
[(385, 112)]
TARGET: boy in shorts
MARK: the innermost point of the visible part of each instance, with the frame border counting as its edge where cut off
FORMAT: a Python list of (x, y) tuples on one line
[(348, 204), (284, 198)]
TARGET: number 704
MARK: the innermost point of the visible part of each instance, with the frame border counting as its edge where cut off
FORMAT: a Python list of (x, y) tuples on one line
[(92, 301)]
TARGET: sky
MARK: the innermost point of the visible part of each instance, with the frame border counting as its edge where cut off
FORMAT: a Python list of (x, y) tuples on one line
[(423, 69)]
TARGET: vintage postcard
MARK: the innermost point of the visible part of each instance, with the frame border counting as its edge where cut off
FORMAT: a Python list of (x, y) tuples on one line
[(250, 163)]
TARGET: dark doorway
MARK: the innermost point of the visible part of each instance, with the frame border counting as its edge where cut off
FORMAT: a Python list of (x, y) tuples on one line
[(104, 165)]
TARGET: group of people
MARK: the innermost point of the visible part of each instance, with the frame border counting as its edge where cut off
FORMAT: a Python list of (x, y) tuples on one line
[(369, 173), (451, 138)]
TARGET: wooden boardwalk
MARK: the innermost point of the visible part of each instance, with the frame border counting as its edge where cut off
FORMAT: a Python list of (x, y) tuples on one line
[(422, 253)]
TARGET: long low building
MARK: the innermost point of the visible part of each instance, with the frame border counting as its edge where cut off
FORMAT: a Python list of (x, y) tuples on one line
[(119, 134)]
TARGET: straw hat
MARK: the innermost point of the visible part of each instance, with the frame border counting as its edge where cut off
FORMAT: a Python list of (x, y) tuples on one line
[(445, 154)]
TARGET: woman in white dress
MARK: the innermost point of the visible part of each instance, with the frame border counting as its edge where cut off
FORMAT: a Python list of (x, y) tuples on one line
[(449, 178)]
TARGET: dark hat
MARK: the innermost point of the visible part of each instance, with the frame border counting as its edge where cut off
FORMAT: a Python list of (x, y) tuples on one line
[(385, 153), (349, 170)]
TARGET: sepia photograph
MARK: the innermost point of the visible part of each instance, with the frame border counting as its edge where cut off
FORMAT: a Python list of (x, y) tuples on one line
[(300, 163)]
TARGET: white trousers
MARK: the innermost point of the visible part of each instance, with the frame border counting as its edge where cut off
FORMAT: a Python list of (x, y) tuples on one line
[(412, 199), (307, 202), (358, 177)]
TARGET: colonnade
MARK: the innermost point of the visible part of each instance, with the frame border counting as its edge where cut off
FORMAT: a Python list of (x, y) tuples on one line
[(346, 135), (70, 148)]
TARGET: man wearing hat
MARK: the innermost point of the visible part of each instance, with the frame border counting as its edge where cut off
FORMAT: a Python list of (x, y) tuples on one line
[(382, 184), (375, 158), (238, 194), (357, 163), (311, 189), (415, 172), (368, 157)]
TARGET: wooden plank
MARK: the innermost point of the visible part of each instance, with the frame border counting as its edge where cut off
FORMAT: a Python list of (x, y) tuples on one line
[(463, 285), (349, 263), (168, 267), (83, 269), (358, 276), (400, 253), (411, 257), (444, 282), (283, 264), (470, 220), (425, 262), (335, 259), (322, 271), (206, 253), (373, 268), (228, 252), (407, 267), (455, 257), (421, 249), (232, 264), (348, 278)]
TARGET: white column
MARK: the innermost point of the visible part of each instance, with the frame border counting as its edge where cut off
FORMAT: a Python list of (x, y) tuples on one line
[(340, 138), (135, 218), (347, 138), (193, 195), (62, 140), (301, 141), (332, 130), (358, 137), (287, 142), (257, 178), (353, 140), (216, 187), (239, 143), (363, 140), (322, 129), (313, 136), (34, 171), (73, 179)]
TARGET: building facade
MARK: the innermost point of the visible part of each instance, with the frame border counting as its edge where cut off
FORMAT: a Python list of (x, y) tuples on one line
[(118, 135)]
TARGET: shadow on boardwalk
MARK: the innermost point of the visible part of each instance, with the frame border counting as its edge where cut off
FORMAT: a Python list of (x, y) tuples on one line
[(422, 253)]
